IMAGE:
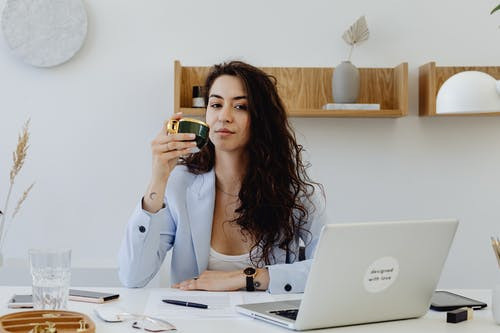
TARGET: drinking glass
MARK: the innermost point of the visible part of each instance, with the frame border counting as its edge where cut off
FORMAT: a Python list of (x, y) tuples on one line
[(51, 272)]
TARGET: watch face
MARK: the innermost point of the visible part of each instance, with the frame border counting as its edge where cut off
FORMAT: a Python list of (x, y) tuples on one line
[(249, 271)]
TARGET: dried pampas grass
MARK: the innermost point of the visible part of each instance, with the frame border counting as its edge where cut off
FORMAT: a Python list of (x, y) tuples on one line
[(21, 200), (357, 33), (20, 154), (18, 157)]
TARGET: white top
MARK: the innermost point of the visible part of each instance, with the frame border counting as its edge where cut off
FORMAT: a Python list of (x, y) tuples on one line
[(223, 262)]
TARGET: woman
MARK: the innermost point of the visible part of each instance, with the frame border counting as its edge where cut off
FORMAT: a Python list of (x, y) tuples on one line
[(234, 213)]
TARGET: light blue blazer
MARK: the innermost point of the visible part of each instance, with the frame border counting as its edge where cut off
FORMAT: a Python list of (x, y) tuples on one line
[(184, 226)]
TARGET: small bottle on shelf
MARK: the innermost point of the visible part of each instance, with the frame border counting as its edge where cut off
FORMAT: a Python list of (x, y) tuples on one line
[(198, 98)]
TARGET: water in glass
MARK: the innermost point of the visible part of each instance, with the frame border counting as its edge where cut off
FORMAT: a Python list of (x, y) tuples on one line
[(51, 272)]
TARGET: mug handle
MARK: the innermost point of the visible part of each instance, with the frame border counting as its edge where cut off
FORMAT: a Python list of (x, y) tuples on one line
[(172, 126)]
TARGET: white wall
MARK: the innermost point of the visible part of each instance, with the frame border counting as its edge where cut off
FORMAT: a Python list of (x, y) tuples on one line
[(93, 118)]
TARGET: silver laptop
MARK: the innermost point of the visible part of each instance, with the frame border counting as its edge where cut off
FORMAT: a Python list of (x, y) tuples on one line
[(366, 272)]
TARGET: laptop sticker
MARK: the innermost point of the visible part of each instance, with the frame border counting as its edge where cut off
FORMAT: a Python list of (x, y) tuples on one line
[(381, 274)]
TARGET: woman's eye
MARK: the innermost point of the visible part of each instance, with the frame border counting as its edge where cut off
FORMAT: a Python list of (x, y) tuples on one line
[(215, 105), (241, 107)]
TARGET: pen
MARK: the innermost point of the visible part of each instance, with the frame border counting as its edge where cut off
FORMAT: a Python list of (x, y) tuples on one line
[(184, 303)]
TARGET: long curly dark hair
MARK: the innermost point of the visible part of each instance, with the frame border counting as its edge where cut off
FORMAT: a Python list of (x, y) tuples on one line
[(275, 196)]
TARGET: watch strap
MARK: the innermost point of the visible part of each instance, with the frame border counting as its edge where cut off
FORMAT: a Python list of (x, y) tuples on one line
[(250, 273), (250, 284)]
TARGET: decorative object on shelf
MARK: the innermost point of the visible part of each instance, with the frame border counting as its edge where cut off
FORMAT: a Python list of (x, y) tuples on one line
[(345, 80), (345, 84), (469, 92), (19, 157), (198, 97), (44, 33), (431, 77), (351, 106)]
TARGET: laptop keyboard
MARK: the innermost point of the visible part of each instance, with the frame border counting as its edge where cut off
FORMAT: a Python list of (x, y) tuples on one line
[(290, 314)]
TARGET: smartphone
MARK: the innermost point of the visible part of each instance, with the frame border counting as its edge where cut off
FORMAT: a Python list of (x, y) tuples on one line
[(26, 301), (91, 296), (446, 301), (20, 302)]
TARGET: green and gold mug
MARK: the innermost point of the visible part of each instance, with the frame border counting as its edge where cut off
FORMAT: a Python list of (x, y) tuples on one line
[(190, 125)]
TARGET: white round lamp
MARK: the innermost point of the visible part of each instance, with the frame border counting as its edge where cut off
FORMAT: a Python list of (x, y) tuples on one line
[(469, 92)]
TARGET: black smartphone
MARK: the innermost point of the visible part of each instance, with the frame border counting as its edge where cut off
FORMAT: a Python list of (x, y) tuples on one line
[(91, 296), (446, 301), (20, 302)]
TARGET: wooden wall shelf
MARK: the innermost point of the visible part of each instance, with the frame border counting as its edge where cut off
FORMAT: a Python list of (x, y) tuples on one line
[(432, 77), (305, 90)]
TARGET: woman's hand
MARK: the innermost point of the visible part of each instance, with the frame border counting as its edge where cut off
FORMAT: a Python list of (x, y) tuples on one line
[(215, 281), (223, 281), (167, 148)]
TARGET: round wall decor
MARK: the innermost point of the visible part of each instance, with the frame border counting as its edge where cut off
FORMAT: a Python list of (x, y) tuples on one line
[(44, 33)]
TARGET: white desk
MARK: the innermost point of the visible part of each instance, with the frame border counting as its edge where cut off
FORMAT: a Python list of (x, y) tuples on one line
[(135, 300)]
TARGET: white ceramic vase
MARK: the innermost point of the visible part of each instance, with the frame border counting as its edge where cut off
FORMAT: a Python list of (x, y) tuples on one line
[(345, 83)]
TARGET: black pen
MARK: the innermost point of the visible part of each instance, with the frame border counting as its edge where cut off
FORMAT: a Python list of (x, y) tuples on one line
[(184, 303)]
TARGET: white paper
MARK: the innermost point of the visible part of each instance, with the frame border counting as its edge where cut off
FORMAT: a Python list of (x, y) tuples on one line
[(220, 304)]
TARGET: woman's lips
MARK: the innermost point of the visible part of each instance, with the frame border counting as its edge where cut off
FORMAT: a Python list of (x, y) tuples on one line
[(224, 132)]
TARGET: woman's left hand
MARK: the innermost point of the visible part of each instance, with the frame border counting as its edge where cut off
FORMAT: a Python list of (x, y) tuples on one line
[(215, 281)]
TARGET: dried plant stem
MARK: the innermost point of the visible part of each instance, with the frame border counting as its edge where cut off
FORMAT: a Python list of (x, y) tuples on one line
[(18, 157), (350, 52), (21, 200), (357, 33), (4, 216), (18, 207)]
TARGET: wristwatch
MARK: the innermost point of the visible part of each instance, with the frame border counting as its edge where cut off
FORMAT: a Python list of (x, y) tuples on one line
[(250, 273)]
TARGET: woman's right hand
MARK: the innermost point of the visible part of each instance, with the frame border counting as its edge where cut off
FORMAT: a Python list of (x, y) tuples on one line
[(167, 148)]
